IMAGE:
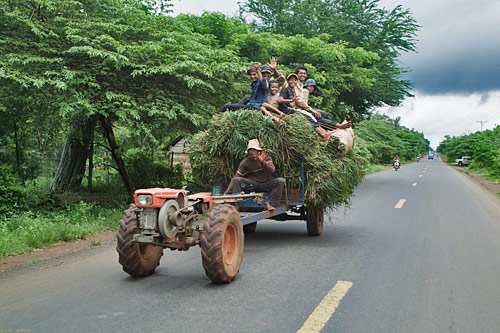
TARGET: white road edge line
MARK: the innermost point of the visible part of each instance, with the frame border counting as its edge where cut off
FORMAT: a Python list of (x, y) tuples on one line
[(324, 311), (414, 184), (400, 203), (420, 176)]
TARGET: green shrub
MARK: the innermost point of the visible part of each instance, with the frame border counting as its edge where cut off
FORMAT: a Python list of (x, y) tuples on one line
[(12, 193), (147, 172)]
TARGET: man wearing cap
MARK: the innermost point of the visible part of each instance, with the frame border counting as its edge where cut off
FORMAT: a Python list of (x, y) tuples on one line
[(309, 87), (259, 88), (301, 104), (288, 96), (256, 171)]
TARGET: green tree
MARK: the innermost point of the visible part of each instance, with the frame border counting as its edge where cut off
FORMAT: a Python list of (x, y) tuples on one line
[(382, 140), (483, 147), (360, 23), (108, 62)]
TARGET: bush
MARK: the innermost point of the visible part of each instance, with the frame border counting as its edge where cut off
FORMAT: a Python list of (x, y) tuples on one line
[(146, 172), (481, 146), (12, 193)]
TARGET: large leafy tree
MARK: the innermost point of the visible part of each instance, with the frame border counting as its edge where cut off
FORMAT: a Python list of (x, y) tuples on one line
[(107, 62), (360, 23)]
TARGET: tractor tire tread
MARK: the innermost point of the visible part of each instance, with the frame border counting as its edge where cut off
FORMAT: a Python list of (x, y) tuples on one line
[(212, 248), (130, 255)]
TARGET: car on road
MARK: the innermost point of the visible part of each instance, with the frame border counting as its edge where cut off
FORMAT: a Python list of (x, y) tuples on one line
[(463, 161), (430, 157)]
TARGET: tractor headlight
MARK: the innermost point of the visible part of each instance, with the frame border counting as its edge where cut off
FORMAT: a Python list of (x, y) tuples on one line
[(144, 199)]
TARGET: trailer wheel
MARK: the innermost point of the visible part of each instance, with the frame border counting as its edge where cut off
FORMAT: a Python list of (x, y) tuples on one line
[(136, 259), (249, 228), (222, 244), (314, 222)]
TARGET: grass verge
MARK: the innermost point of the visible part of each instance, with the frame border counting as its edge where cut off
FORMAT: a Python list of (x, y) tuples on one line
[(29, 230), (372, 168)]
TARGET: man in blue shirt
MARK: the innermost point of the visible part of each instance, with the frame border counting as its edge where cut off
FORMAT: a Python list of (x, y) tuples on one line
[(259, 88)]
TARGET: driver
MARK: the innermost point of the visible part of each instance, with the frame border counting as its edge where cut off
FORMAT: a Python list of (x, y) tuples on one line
[(256, 171)]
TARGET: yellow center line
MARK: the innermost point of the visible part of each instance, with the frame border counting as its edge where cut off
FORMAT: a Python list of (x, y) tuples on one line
[(400, 203), (414, 184), (324, 311)]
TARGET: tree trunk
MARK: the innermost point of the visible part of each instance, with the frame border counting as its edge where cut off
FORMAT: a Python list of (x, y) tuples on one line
[(91, 154), (115, 152), (18, 154), (76, 150)]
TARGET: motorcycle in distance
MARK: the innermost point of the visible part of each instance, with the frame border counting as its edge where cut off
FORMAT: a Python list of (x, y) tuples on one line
[(418, 159), (396, 165)]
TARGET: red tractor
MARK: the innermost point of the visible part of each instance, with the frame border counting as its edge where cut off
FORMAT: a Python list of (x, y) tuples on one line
[(168, 218)]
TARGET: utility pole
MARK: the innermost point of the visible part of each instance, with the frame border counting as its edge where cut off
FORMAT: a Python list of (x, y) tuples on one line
[(482, 122)]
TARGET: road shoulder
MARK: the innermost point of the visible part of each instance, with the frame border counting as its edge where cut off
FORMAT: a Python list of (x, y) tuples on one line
[(62, 249), (59, 250)]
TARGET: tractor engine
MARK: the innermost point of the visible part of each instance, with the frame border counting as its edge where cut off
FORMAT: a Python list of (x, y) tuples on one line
[(169, 217)]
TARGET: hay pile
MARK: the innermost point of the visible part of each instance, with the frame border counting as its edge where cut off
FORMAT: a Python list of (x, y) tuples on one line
[(332, 172)]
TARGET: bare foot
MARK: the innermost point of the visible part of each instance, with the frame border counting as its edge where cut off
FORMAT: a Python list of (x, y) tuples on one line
[(269, 207), (214, 117), (327, 135)]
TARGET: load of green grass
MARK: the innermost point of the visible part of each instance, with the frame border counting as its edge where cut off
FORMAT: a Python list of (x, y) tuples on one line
[(332, 172)]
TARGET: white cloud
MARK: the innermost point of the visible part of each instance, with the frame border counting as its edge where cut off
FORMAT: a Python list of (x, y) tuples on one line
[(450, 114), (197, 7)]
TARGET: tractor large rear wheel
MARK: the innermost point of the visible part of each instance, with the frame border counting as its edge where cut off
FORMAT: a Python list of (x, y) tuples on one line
[(314, 222), (222, 244), (137, 259)]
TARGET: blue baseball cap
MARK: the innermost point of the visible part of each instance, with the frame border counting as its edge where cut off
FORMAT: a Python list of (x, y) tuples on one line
[(310, 82)]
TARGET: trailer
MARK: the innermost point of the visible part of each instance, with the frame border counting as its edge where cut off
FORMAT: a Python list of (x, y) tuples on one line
[(163, 218)]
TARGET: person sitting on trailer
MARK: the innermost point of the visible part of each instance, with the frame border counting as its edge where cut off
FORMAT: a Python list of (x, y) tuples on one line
[(301, 105), (286, 100), (259, 88), (255, 174), (309, 87), (270, 73), (272, 102)]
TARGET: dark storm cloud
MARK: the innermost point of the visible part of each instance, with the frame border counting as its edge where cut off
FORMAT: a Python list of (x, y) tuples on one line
[(458, 46), (462, 76)]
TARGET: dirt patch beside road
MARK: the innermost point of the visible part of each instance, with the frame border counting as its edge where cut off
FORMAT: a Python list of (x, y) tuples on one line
[(488, 184)]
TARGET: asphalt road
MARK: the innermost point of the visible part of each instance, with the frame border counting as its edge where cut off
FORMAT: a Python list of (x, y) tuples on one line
[(431, 265)]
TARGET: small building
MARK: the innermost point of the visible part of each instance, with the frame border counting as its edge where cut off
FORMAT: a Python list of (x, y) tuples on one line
[(178, 152)]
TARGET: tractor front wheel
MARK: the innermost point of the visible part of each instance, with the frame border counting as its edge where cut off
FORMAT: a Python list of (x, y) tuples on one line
[(314, 222), (222, 244), (136, 259)]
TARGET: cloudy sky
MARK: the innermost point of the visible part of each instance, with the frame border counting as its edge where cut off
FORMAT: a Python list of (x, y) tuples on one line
[(456, 71)]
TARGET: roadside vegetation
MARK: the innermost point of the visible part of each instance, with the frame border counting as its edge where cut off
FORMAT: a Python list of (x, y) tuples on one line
[(93, 93), (483, 147)]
